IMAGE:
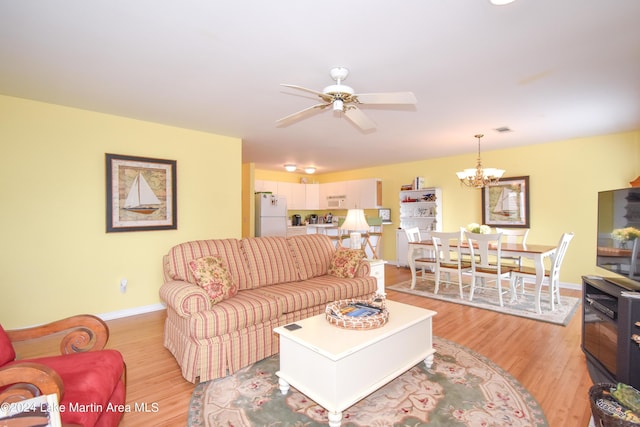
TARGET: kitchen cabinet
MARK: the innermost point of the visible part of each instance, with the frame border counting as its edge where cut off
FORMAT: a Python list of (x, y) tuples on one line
[(358, 193), (312, 196), (262, 186), (295, 194), (333, 195), (364, 194)]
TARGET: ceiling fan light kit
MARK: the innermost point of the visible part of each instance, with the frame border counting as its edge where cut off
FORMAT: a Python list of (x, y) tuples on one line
[(342, 98), (480, 177)]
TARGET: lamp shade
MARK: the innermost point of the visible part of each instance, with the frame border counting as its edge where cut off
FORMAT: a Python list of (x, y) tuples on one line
[(355, 221)]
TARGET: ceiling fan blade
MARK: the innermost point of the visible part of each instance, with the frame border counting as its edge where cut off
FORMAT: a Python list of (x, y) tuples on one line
[(386, 98), (301, 113), (325, 97), (359, 118)]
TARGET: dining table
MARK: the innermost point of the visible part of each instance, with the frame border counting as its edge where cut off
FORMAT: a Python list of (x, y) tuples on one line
[(535, 252)]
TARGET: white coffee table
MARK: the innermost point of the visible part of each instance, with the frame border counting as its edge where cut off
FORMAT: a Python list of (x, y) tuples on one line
[(338, 367)]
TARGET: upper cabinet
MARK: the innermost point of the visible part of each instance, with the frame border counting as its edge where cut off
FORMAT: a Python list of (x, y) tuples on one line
[(312, 196), (265, 186), (364, 194), (359, 193)]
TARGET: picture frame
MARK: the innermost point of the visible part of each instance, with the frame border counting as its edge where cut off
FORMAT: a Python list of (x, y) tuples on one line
[(141, 193), (506, 204), (385, 214)]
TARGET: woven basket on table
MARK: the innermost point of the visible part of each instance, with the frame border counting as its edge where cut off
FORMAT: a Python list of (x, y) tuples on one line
[(601, 418), (357, 322)]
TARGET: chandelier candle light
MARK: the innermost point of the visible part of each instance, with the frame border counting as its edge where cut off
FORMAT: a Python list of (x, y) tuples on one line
[(356, 223), (479, 177)]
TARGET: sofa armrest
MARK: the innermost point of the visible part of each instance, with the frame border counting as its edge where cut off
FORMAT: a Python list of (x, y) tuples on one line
[(364, 269), (184, 298)]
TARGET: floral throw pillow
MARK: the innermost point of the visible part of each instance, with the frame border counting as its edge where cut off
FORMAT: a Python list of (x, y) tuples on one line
[(345, 262), (212, 275)]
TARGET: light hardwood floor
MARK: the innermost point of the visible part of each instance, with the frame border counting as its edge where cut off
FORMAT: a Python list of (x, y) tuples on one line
[(545, 358)]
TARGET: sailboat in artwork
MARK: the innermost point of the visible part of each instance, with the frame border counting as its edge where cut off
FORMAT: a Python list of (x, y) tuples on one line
[(507, 204), (141, 198)]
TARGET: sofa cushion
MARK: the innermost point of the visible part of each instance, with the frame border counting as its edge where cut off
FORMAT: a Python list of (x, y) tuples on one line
[(269, 260), (345, 262), (212, 275), (7, 352), (297, 296), (344, 288), (312, 254), (228, 249), (245, 309)]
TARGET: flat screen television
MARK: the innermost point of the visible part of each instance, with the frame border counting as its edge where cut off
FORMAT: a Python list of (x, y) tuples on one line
[(618, 250)]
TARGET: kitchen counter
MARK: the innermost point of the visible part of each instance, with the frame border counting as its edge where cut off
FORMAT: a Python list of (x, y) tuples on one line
[(296, 230), (329, 229)]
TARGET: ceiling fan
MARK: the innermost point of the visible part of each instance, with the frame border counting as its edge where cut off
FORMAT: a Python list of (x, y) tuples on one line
[(343, 99)]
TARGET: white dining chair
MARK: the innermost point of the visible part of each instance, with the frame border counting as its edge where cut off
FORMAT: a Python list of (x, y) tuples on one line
[(513, 235), (449, 259), (551, 276), (427, 257), (486, 264)]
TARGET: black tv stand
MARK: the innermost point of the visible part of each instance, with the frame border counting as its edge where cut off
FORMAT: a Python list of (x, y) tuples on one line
[(624, 283), (610, 313)]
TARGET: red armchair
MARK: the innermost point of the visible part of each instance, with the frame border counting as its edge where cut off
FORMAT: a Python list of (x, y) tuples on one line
[(88, 380)]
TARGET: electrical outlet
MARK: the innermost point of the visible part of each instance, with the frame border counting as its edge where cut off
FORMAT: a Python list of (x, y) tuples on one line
[(123, 286)]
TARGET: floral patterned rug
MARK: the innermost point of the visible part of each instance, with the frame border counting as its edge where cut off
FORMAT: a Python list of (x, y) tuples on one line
[(524, 306), (462, 388)]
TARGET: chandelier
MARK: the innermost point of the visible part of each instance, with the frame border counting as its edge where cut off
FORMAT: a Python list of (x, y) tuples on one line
[(480, 177)]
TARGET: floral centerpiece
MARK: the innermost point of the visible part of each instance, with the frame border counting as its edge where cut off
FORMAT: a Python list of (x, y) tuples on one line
[(623, 235), (479, 229)]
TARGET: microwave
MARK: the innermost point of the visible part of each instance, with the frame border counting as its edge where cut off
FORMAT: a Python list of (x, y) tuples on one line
[(339, 201)]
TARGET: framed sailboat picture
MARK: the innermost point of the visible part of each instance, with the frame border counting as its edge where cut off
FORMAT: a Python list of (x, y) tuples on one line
[(141, 194), (506, 204)]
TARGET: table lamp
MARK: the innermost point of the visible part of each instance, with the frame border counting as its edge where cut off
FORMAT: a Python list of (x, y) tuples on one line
[(355, 223)]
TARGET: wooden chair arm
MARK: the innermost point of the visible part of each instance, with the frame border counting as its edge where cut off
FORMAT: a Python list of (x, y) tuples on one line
[(25, 379), (85, 333)]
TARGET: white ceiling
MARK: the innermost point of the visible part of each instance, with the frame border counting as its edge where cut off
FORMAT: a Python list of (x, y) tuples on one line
[(548, 69)]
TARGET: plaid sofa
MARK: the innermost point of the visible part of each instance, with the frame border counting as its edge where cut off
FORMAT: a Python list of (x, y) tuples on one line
[(280, 280)]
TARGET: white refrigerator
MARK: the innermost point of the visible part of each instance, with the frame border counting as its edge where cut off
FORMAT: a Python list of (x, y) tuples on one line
[(271, 215)]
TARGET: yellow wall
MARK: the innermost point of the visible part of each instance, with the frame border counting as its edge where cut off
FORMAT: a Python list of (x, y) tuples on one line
[(57, 259), (565, 178)]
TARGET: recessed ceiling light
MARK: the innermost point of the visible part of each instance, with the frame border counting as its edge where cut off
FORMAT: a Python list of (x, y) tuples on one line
[(290, 168)]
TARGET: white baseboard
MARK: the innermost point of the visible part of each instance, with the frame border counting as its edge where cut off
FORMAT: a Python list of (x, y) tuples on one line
[(131, 311)]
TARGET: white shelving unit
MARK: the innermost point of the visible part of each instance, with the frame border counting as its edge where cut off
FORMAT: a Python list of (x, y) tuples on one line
[(421, 208), (418, 208)]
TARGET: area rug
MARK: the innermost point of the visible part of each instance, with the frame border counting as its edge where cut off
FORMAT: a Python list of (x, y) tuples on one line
[(462, 388), (524, 306)]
